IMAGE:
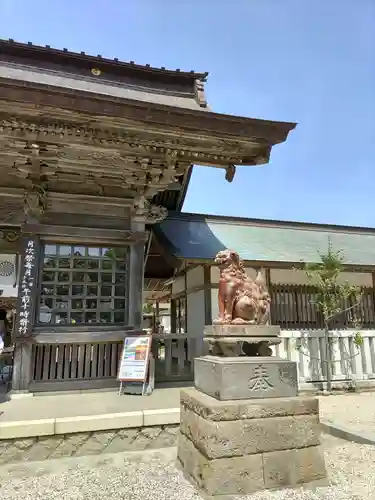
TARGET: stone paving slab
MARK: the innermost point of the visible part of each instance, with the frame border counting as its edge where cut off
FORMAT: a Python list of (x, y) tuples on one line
[(345, 433), (353, 413), (86, 404), (93, 423), (66, 414)]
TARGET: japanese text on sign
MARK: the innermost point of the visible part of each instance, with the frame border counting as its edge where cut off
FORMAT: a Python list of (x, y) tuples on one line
[(27, 284), (134, 359)]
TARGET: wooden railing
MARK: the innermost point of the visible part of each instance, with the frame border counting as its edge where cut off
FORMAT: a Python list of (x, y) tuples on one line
[(94, 365), (174, 356), (294, 307), (69, 366)]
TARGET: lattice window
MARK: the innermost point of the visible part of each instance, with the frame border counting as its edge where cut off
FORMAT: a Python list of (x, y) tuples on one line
[(83, 285)]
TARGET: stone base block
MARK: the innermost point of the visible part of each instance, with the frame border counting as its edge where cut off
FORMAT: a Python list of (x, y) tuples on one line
[(35, 449), (246, 331), (250, 473), (239, 447), (245, 377)]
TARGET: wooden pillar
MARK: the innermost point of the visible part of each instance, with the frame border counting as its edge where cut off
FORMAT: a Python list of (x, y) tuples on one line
[(157, 311), (186, 331), (207, 295), (136, 271), (173, 316), (26, 310), (136, 280), (269, 288)]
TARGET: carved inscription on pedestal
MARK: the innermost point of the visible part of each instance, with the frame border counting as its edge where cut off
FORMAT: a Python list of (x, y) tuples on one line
[(260, 379)]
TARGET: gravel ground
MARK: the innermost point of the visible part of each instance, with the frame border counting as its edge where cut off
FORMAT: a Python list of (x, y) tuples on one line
[(152, 475), (352, 411)]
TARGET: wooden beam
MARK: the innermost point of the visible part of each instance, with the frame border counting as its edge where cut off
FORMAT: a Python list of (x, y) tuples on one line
[(207, 295), (62, 336), (130, 113), (280, 265), (86, 234), (74, 385)]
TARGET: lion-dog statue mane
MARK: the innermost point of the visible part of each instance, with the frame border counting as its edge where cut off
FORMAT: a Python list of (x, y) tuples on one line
[(242, 300)]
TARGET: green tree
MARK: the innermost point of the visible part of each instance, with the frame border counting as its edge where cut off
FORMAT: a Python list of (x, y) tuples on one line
[(333, 296), (147, 308)]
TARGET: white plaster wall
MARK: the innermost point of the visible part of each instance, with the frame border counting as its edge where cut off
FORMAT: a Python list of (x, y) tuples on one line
[(288, 277), (214, 303), (165, 320), (164, 305), (195, 313), (195, 277), (298, 277), (178, 285), (214, 275)]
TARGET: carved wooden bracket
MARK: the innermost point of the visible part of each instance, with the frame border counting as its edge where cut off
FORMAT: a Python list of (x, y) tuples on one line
[(8, 303), (148, 213), (63, 137), (35, 201), (9, 235)]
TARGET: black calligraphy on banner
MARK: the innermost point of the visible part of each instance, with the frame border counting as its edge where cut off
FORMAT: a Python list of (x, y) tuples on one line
[(27, 286)]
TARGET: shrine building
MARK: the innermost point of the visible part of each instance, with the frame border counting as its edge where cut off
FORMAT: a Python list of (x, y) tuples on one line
[(95, 160)]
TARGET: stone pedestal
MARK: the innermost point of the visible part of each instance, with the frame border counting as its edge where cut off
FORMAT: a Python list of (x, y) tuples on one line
[(239, 447), (244, 428), (239, 340), (245, 378)]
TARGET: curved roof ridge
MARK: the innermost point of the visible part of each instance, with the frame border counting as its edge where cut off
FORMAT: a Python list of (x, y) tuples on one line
[(200, 240), (99, 59), (274, 223)]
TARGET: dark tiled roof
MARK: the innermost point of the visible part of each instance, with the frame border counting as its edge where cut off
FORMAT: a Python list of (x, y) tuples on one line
[(190, 236), (63, 80), (30, 47)]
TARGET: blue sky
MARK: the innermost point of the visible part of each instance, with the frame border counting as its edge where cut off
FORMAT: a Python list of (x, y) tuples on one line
[(309, 61)]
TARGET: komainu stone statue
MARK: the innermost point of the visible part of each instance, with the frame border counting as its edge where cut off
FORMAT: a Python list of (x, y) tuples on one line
[(242, 328), (242, 300), (243, 393)]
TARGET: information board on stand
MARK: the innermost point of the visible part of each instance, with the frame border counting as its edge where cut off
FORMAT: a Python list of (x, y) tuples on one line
[(134, 362)]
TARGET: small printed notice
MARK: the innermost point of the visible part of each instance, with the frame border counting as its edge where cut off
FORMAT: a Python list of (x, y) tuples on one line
[(134, 359)]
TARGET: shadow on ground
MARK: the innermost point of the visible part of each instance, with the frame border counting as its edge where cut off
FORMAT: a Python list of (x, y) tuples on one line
[(4, 396)]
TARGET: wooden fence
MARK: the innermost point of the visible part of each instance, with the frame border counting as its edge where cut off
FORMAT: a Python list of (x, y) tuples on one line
[(294, 307), (80, 364), (174, 356), (75, 365), (349, 362), (94, 365), (69, 366)]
